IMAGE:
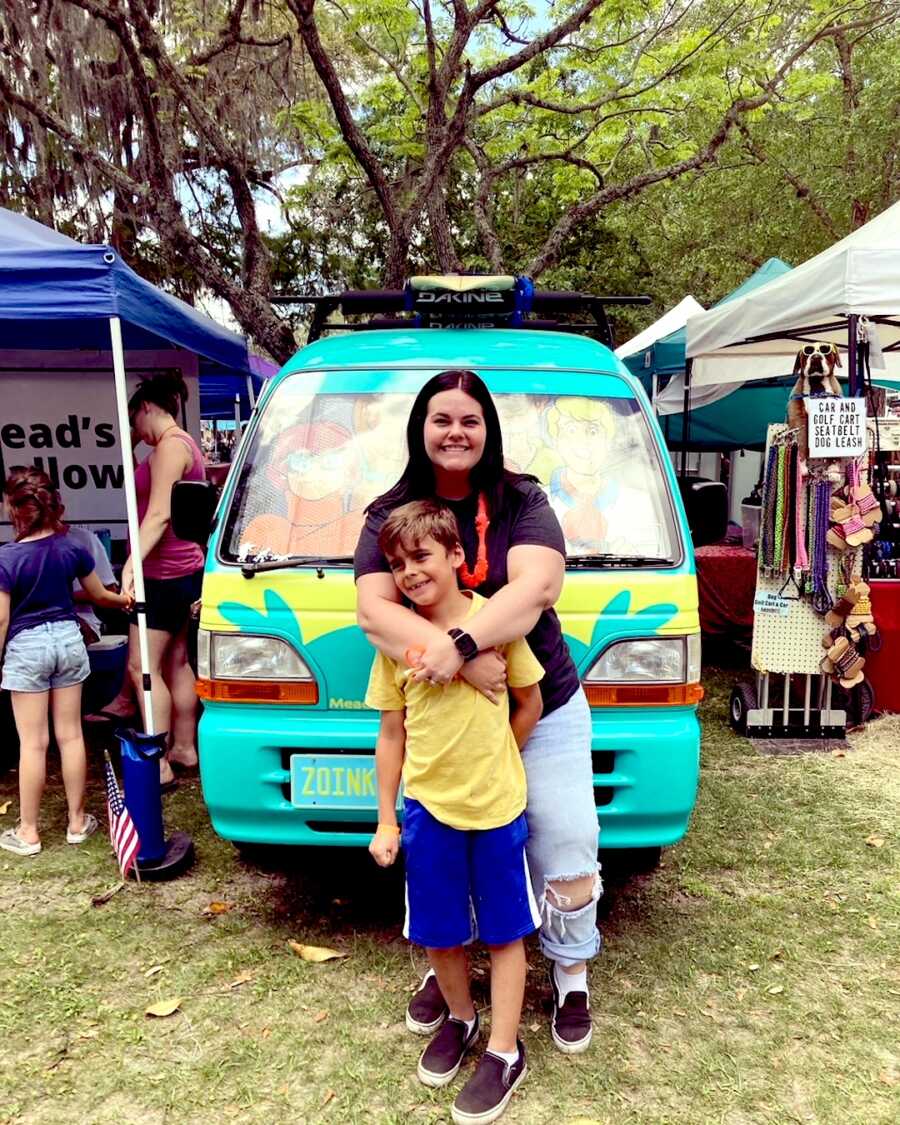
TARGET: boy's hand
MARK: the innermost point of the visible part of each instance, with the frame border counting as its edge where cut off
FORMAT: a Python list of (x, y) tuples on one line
[(385, 844)]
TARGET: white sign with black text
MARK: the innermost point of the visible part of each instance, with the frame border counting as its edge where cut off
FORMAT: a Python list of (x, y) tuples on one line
[(59, 413), (837, 426)]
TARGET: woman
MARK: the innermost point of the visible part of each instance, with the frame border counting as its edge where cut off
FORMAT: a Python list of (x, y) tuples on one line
[(173, 568), (515, 556)]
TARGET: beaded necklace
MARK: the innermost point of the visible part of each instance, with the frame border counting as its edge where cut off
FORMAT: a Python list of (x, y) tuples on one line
[(767, 533), (780, 469), (476, 577)]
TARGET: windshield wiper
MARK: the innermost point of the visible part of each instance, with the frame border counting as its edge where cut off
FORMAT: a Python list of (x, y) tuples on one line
[(616, 560), (255, 566)]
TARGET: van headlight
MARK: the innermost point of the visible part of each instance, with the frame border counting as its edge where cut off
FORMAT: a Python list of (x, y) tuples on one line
[(237, 667), (646, 672), (657, 660), (237, 656)]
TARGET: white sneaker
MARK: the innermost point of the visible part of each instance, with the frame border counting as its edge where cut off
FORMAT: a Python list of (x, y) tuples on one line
[(11, 841), (90, 827)]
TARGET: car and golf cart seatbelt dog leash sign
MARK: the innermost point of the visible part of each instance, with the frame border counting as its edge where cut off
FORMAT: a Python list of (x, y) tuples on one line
[(837, 426)]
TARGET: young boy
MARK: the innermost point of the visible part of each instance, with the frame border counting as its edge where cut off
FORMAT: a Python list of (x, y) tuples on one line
[(464, 830)]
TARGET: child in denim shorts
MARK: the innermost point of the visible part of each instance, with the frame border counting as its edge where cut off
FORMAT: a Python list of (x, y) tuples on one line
[(45, 661), (464, 828)]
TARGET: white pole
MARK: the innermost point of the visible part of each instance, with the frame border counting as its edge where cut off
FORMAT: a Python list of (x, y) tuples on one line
[(237, 416), (115, 332), (250, 393)]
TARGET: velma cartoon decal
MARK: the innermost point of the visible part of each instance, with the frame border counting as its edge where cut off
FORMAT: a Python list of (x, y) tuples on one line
[(311, 466)]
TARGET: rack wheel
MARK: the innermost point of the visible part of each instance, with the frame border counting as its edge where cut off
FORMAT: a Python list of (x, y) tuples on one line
[(743, 700)]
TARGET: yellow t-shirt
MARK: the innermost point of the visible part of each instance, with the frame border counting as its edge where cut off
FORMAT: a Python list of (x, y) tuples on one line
[(462, 762)]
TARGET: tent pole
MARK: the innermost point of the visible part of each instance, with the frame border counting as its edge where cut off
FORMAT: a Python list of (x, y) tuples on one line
[(654, 391), (686, 418), (852, 373), (250, 394), (118, 354), (237, 413)]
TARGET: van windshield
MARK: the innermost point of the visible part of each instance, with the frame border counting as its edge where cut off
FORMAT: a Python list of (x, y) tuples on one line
[(317, 460)]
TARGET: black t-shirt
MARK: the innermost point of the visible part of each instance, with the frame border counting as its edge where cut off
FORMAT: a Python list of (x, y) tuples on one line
[(525, 519)]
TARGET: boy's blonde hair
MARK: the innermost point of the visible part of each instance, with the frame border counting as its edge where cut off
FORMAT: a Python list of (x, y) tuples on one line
[(418, 520)]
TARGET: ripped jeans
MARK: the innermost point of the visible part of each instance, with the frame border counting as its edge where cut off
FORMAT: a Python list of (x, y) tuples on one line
[(562, 828)]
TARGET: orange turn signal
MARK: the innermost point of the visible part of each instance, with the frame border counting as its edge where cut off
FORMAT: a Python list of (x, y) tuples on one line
[(259, 691), (643, 695)]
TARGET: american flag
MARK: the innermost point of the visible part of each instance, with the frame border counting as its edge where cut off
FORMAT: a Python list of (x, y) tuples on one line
[(122, 831)]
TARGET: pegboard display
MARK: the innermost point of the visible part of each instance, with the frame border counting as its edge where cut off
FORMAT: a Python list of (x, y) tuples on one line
[(787, 631), (791, 641)]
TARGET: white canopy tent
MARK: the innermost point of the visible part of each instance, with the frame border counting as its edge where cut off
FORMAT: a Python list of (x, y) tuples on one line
[(756, 336), (669, 322)]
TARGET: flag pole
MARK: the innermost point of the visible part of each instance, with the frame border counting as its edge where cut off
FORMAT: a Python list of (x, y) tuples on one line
[(137, 564)]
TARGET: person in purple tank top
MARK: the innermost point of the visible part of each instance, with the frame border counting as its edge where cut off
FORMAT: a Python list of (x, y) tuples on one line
[(173, 567)]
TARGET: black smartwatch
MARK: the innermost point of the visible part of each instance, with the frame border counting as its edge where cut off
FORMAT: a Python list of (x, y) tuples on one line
[(465, 645)]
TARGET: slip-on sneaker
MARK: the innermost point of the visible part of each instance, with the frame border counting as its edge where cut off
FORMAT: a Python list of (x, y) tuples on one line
[(427, 1008), (487, 1093), (443, 1056)]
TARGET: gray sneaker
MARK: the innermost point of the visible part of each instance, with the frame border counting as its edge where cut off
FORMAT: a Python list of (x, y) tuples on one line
[(11, 841), (90, 827)]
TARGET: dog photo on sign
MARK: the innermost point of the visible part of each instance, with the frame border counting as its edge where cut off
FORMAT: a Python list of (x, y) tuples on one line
[(815, 378)]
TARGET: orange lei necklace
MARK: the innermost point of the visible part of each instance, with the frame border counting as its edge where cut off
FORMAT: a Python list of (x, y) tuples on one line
[(474, 578)]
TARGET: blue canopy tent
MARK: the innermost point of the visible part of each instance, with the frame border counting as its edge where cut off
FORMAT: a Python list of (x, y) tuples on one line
[(218, 388), (737, 421), (57, 294)]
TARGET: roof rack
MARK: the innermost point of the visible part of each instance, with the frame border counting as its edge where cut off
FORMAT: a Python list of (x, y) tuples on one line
[(462, 301)]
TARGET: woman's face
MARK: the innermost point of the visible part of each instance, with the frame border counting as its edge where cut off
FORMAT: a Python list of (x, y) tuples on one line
[(454, 431), (140, 424)]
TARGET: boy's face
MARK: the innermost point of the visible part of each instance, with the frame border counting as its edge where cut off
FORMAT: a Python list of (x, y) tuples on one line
[(425, 572)]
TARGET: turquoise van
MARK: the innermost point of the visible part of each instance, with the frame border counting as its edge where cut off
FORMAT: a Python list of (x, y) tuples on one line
[(286, 741)]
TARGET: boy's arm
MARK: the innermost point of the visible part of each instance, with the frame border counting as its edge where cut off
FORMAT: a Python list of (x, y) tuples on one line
[(528, 708), (389, 750)]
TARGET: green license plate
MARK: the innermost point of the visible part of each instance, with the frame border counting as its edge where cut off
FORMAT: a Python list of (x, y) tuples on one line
[(333, 781)]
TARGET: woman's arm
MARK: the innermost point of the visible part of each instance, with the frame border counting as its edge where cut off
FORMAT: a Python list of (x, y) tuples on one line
[(535, 577), (393, 629), (390, 626), (5, 602), (168, 464)]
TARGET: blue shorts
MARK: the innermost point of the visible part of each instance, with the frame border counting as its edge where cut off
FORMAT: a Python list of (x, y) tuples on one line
[(44, 657), (465, 884)]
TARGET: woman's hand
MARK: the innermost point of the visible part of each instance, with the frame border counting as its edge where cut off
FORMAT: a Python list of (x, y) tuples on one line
[(385, 844), (487, 674), (439, 661), (128, 580)]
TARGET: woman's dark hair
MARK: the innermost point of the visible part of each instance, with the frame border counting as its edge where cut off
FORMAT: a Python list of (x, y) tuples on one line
[(165, 389), (34, 504), (418, 480)]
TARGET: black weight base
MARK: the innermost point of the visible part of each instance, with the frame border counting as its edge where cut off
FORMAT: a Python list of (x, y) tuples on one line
[(178, 858)]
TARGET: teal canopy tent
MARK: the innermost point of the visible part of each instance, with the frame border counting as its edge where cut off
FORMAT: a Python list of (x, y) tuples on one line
[(737, 421)]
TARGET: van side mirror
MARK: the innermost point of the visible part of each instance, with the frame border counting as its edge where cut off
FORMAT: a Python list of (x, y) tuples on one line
[(193, 505), (706, 505)]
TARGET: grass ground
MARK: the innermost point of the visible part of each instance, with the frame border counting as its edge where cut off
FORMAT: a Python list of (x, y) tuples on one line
[(753, 978)]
